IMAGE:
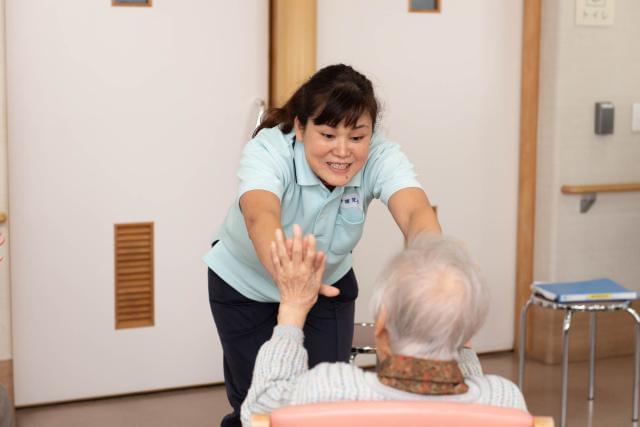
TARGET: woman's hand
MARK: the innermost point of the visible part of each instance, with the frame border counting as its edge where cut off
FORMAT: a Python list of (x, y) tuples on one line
[(298, 275)]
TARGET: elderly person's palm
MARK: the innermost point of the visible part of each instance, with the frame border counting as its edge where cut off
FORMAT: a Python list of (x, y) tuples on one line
[(298, 273)]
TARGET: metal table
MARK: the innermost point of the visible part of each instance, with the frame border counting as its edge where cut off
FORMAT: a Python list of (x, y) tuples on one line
[(593, 308)]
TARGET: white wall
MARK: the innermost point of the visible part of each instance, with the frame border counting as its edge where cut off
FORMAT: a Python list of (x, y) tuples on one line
[(579, 67), (122, 114), (449, 85)]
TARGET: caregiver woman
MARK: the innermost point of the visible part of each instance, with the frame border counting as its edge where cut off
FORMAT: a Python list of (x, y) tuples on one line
[(316, 162)]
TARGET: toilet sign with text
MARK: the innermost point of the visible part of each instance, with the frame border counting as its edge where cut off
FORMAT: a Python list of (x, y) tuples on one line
[(595, 12)]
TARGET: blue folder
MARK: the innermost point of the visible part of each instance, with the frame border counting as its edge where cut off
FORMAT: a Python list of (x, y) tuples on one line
[(584, 291)]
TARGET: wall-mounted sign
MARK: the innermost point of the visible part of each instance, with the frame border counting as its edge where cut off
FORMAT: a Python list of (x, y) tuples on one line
[(428, 6), (146, 3), (595, 12)]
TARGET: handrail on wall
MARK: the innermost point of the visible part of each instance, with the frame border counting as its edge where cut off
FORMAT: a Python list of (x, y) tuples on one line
[(589, 192)]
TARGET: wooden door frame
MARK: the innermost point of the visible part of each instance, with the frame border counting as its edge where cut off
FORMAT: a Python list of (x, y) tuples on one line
[(529, 95), (292, 44)]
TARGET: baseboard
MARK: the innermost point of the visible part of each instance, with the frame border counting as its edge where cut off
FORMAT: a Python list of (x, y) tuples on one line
[(6, 376)]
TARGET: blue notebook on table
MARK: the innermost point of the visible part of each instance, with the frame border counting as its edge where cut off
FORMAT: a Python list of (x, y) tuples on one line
[(586, 290)]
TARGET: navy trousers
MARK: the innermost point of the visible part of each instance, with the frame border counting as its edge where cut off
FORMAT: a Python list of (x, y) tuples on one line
[(244, 325)]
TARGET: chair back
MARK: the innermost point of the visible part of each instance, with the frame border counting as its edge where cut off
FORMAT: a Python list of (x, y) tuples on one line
[(399, 413)]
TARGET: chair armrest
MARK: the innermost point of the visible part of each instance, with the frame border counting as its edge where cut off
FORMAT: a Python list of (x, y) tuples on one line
[(262, 420), (541, 421)]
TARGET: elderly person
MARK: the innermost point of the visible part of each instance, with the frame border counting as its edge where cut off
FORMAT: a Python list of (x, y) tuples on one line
[(430, 301)]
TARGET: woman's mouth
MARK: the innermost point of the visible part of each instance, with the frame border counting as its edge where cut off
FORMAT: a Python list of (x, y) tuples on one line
[(338, 167)]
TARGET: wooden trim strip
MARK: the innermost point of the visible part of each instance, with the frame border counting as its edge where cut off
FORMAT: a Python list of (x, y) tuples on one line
[(529, 93), (293, 47), (600, 188)]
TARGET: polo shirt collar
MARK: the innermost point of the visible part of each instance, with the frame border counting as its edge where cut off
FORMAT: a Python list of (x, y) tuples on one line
[(306, 176)]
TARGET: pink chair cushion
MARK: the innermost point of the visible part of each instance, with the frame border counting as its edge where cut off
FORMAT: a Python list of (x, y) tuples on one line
[(399, 413)]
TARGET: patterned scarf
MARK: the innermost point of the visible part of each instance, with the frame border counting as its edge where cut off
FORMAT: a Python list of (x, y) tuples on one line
[(422, 376)]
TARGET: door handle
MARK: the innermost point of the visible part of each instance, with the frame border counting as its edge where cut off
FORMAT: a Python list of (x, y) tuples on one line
[(3, 217)]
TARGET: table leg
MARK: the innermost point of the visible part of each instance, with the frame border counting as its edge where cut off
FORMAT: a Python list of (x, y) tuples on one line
[(636, 376), (566, 325), (521, 346), (352, 358), (592, 352)]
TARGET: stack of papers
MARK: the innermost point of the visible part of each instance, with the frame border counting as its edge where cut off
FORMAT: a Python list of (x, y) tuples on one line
[(584, 291)]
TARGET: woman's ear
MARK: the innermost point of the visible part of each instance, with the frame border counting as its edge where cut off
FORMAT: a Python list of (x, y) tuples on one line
[(298, 128)]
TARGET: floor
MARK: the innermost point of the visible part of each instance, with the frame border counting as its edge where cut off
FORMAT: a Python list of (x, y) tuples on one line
[(205, 406), (612, 406)]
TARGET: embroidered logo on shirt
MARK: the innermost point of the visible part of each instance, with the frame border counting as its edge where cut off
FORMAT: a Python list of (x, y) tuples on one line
[(350, 201)]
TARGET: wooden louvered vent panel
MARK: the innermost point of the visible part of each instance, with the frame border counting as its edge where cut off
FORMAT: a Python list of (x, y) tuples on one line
[(134, 275)]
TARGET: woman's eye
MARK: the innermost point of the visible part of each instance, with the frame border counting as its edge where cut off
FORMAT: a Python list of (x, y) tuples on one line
[(357, 138)]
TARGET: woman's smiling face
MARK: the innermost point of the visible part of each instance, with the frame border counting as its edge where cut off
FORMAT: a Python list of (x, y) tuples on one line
[(336, 154)]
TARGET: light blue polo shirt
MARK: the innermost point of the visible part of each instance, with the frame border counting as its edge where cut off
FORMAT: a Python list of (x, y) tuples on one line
[(275, 162)]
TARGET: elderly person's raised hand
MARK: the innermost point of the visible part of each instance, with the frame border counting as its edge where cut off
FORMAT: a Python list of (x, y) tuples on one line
[(325, 290), (298, 275)]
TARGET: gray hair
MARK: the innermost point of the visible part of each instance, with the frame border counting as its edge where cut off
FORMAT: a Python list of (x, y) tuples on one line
[(434, 296)]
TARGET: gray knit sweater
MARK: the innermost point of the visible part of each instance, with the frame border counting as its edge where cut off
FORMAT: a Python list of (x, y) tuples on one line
[(281, 377)]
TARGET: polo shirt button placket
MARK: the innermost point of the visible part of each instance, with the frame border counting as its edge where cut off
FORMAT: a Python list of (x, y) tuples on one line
[(319, 227)]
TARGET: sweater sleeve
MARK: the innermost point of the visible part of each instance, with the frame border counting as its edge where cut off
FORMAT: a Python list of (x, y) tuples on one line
[(279, 363), (469, 363), (504, 393)]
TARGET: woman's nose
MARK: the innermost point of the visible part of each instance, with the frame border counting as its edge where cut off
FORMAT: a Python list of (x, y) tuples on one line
[(341, 149)]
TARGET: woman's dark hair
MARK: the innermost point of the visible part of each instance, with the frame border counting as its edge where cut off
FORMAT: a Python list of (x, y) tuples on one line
[(334, 94)]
